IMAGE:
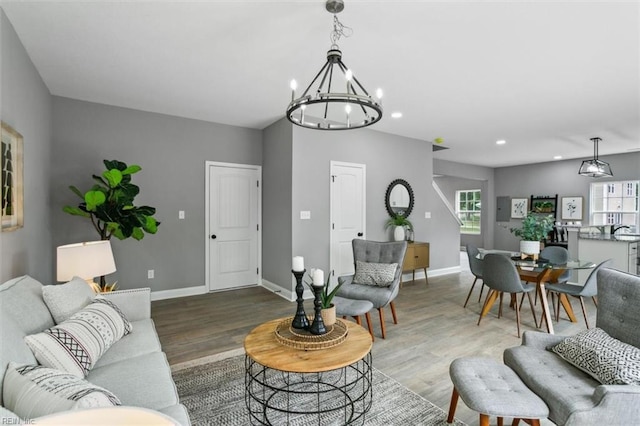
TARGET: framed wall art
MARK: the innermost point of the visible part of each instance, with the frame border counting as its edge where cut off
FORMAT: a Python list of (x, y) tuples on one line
[(571, 208), (519, 208), (11, 179)]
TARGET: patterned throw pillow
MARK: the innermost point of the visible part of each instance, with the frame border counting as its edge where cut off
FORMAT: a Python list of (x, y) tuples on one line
[(75, 345), (606, 359), (33, 391), (376, 274)]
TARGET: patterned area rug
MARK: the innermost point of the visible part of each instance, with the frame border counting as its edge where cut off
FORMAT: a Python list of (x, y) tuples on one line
[(213, 389)]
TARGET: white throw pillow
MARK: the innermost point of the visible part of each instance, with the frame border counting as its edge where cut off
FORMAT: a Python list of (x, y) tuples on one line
[(64, 300), (376, 274), (606, 359), (33, 391), (77, 344)]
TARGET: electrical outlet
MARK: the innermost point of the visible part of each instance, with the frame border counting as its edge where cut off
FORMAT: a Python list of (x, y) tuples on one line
[(427, 215), (305, 214), (150, 274)]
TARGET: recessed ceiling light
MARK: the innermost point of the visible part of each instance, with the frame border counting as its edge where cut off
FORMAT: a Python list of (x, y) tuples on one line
[(396, 114), (557, 157), (501, 142)]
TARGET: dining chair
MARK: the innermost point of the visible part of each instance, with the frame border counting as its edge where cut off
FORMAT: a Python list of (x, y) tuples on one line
[(558, 256), (380, 296), (501, 276), (475, 265), (589, 289)]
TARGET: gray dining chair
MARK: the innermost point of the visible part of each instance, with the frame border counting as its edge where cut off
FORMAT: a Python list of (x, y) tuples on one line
[(500, 275), (381, 297), (589, 289), (558, 256), (475, 265)]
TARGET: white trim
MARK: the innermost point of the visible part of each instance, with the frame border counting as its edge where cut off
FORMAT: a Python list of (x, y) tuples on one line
[(431, 273), (282, 292), (363, 167), (178, 292), (207, 168)]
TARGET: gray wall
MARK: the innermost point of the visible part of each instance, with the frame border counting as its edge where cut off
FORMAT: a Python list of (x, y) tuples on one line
[(558, 177), (386, 157), (276, 203), (25, 105), (172, 152)]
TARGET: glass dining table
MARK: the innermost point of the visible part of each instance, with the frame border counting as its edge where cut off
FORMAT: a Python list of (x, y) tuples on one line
[(541, 272)]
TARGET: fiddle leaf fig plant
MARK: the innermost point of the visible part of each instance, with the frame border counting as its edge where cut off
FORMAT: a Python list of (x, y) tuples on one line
[(109, 204), (398, 220)]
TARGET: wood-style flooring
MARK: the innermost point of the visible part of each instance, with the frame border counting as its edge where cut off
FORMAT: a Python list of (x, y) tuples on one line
[(433, 330)]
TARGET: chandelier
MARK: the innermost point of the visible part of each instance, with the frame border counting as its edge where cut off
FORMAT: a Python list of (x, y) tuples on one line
[(335, 99), (594, 167)]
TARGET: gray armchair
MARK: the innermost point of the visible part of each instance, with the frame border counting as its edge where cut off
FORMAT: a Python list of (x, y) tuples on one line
[(375, 252), (574, 397)]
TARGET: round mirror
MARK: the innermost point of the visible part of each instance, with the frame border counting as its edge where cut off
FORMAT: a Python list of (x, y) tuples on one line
[(399, 198)]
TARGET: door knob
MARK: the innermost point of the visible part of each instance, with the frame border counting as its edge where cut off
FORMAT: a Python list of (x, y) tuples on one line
[(214, 236), (360, 234)]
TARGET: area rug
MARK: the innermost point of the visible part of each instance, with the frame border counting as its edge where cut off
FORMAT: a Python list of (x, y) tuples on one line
[(213, 388)]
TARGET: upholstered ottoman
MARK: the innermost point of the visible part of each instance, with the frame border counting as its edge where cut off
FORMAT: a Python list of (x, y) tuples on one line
[(354, 308), (493, 389)]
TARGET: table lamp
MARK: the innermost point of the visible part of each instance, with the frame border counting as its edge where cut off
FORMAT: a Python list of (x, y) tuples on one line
[(85, 260)]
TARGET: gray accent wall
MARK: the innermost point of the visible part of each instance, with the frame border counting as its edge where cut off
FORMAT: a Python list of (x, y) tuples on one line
[(449, 185), (558, 177), (276, 203), (172, 152), (25, 105)]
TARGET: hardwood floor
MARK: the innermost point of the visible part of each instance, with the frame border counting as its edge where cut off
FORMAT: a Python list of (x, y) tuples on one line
[(433, 329)]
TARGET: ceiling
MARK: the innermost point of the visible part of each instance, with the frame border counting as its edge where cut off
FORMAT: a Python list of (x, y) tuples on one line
[(544, 76)]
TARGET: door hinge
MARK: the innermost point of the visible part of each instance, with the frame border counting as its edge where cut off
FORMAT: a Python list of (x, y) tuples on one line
[(258, 183), (333, 226), (333, 272), (257, 227), (258, 271)]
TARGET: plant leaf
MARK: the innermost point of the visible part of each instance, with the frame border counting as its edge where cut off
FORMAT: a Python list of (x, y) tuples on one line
[(114, 164), (76, 211), (150, 225), (137, 234), (94, 199), (113, 176), (134, 168), (76, 191)]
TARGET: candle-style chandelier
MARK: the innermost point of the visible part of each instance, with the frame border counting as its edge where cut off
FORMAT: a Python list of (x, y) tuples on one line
[(335, 99)]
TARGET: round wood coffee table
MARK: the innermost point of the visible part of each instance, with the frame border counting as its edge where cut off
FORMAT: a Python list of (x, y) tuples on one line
[(284, 385)]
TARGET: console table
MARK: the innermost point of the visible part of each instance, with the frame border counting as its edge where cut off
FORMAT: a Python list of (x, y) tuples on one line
[(416, 257), (327, 386)]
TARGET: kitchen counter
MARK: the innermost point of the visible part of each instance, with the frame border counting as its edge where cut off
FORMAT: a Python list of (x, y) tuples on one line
[(608, 237)]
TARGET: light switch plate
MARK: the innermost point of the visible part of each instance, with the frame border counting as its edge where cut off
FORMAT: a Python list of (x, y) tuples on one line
[(181, 214), (305, 214), (427, 215)]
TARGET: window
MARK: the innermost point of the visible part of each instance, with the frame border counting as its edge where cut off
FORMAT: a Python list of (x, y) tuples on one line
[(615, 203), (468, 208)]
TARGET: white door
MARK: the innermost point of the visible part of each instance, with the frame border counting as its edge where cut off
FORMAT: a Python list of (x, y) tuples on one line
[(348, 219), (233, 228)]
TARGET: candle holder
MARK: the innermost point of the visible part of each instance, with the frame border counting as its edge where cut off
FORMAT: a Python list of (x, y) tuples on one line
[(317, 326), (300, 320)]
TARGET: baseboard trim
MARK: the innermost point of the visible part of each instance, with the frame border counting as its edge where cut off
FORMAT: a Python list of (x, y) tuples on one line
[(178, 292), (282, 292), (406, 277)]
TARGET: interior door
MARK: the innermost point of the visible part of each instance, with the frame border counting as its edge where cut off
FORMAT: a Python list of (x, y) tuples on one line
[(348, 218), (233, 226)]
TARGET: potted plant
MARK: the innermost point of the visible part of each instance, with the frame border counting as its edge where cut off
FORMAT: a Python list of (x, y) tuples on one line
[(534, 229), (400, 223), (109, 206), (328, 309)]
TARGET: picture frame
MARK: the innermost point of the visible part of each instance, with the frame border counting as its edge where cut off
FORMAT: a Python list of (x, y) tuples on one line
[(11, 179), (571, 208), (519, 208)]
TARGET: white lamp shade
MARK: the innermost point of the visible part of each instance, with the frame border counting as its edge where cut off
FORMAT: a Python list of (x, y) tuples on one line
[(85, 260)]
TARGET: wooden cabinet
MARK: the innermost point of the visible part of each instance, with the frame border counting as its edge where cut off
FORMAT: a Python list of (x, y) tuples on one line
[(416, 257)]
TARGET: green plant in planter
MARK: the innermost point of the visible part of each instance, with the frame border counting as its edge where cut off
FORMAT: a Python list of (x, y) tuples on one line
[(326, 296), (397, 220), (109, 204), (534, 227)]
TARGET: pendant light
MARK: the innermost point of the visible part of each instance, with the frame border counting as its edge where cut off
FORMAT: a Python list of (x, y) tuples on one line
[(595, 168)]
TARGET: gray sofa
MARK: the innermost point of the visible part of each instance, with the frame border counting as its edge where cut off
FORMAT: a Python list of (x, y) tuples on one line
[(573, 396), (135, 369)]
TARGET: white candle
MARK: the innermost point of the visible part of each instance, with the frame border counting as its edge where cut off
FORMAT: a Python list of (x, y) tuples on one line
[(318, 277), (298, 263)]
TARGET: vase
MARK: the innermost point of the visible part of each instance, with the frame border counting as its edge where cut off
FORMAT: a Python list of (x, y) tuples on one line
[(329, 315), (530, 247), (398, 233)]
